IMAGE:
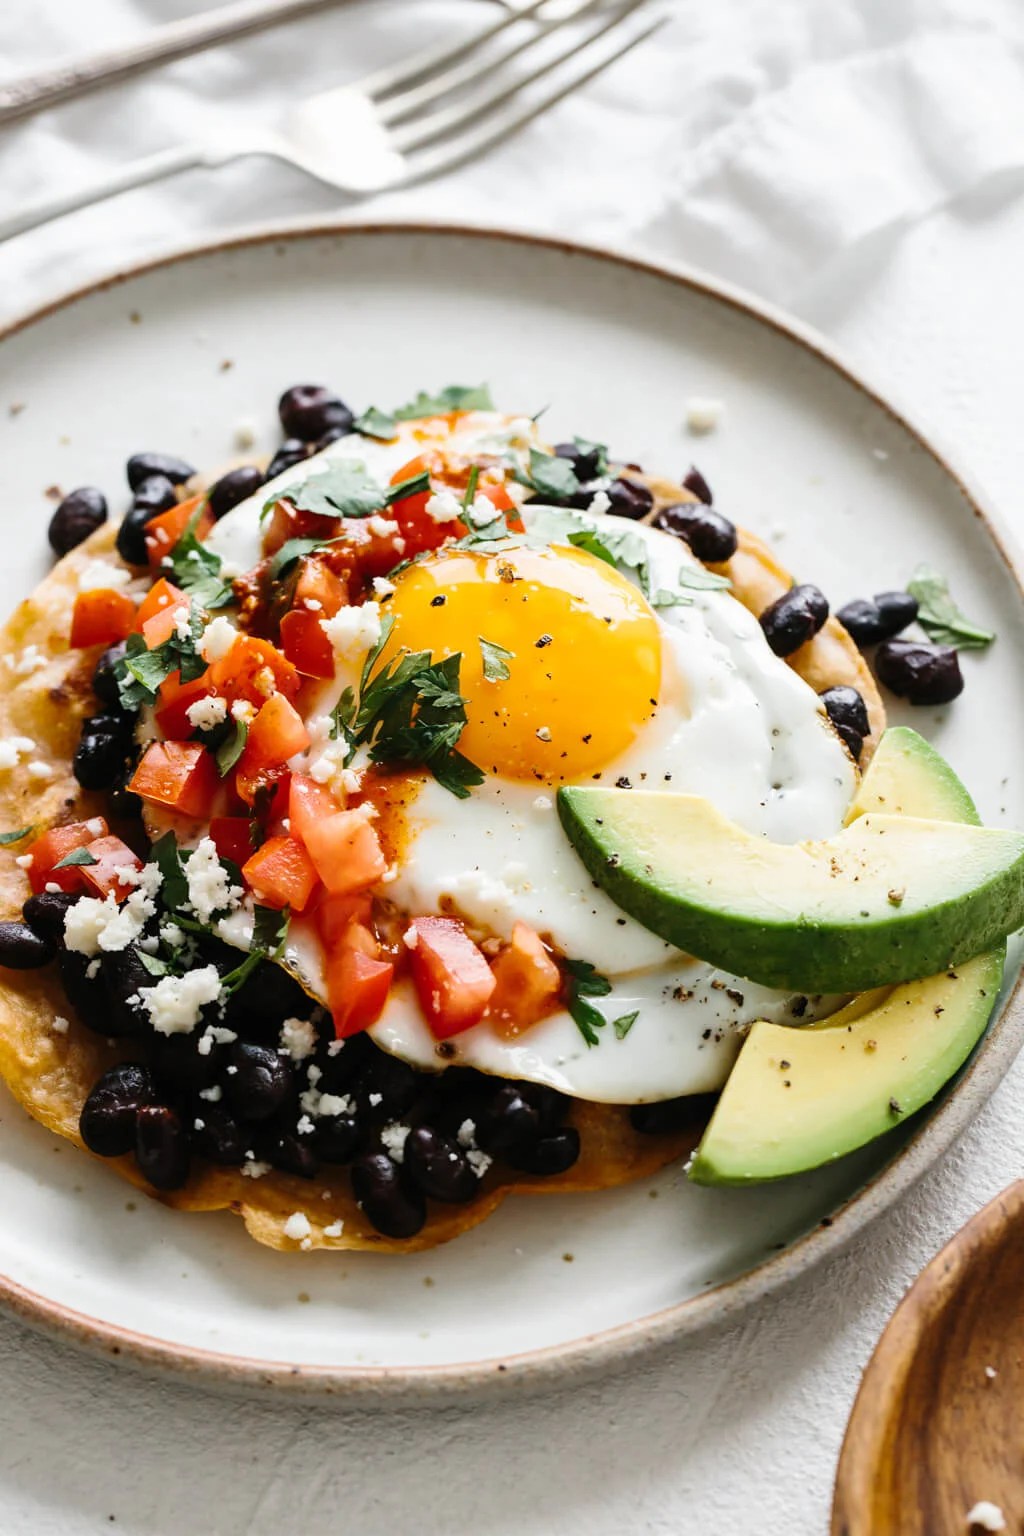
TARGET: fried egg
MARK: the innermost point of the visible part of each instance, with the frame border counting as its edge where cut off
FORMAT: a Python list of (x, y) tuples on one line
[(594, 682)]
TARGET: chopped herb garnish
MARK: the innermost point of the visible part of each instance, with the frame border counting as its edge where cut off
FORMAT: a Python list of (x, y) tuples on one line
[(456, 397), (697, 579), (495, 656), (152, 963), (296, 549), (196, 569), (597, 451), (550, 477), (586, 982), (7, 838), (624, 1023), (76, 856), (343, 490), (232, 747), (940, 618), (269, 937), (472, 481), (374, 423), (174, 884), (140, 671)]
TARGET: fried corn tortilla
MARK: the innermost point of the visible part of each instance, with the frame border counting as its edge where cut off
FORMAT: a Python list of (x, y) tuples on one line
[(51, 1070)]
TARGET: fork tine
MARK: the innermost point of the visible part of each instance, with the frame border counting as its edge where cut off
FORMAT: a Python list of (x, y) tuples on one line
[(506, 124), (383, 82), (482, 102), (403, 106)]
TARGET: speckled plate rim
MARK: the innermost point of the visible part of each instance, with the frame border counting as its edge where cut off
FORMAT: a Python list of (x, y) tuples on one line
[(561, 1365)]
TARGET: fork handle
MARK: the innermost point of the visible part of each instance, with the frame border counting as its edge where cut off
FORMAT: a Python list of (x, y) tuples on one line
[(166, 162)]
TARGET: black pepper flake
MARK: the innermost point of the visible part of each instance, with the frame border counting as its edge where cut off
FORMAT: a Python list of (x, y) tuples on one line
[(895, 1107), (623, 783), (784, 1066), (798, 1007), (543, 641), (736, 997), (438, 601)]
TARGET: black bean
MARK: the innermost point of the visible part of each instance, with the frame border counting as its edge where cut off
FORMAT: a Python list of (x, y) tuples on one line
[(266, 997), (292, 451), (99, 760), (161, 1147), (259, 1087), (338, 1138), (131, 536), (143, 466), (862, 621), (123, 805), (551, 1154), (109, 1114), (846, 709), (22, 949), (80, 513), (110, 722), (629, 499), (550, 1105), (508, 1121), (392, 1204), (45, 914), (86, 994), (710, 535), (896, 610), (918, 672), (794, 618), (307, 411), (341, 1068), (663, 1117), (178, 1066), (694, 481), (236, 486), (330, 436), (104, 677), (438, 1166), (394, 1081), (123, 974), (586, 463), (218, 1138), (157, 494), (291, 1153)]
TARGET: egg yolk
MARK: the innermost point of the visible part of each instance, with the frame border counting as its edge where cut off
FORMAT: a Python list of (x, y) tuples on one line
[(584, 662)]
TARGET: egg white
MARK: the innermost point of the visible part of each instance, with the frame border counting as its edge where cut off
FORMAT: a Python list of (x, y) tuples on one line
[(751, 736)]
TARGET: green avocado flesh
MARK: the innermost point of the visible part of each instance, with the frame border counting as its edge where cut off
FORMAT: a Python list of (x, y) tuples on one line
[(798, 1098), (888, 898)]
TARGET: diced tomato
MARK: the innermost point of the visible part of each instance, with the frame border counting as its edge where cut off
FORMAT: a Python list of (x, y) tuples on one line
[(232, 838), (346, 851), (309, 803), (318, 589), (112, 857), (497, 494), (174, 701), (253, 669), (453, 981), (162, 594), (163, 532), (281, 874), (101, 616), (275, 735), (357, 989), (419, 531), (305, 644), (527, 983), (333, 916), (180, 775), (286, 523), (162, 625), (48, 850)]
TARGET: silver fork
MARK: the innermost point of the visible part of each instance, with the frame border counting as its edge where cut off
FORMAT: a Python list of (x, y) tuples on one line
[(398, 126)]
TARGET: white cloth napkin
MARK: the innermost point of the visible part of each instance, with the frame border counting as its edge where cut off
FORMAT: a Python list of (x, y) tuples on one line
[(770, 141)]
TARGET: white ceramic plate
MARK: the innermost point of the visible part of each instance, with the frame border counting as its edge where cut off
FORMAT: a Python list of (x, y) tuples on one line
[(175, 356)]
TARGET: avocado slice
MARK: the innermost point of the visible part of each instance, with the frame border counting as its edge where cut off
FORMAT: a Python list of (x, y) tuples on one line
[(798, 1098), (889, 897)]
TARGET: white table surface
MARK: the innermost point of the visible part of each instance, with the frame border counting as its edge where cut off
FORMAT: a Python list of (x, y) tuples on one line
[(735, 1431)]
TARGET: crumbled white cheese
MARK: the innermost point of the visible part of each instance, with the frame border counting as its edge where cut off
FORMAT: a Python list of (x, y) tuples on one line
[(92, 970), (13, 747), (381, 527), (215, 1035), (245, 432), (265, 682), (600, 503), (175, 1004), (298, 1039), (242, 710), (255, 1170), (313, 604), (335, 1229), (353, 631), (24, 860), (478, 1161), (212, 1095), (305, 1126), (466, 1134), (991, 1372), (40, 771), (297, 1226), (703, 413), (101, 574), (60, 1025), (330, 764), (183, 623), (198, 1124), (444, 507), (217, 638), (27, 660), (209, 884), (543, 803), (393, 1138), (543, 733), (150, 944), (382, 587), (95, 826), (91, 925), (204, 714), (374, 1099), (986, 1516), (172, 935), (410, 938), (332, 1104)]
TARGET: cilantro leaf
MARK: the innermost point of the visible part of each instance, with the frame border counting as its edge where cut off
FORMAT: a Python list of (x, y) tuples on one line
[(140, 671), (174, 884), (455, 397), (549, 477), (232, 747), (76, 856), (374, 423), (152, 963), (699, 580), (940, 618), (292, 550), (585, 982), (472, 480), (7, 838), (269, 937), (495, 657), (296, 549), (624, 1023), (196, 569)]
